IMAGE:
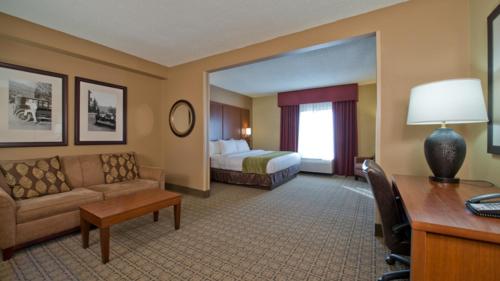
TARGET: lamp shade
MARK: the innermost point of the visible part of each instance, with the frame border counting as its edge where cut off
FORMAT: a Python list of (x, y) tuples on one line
[(449, 101), (248, 131)]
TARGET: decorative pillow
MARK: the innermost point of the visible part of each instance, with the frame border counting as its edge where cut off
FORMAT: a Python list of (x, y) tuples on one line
[(242, 146), (214, 147), (34, 178), (228, 146), (119, 167)]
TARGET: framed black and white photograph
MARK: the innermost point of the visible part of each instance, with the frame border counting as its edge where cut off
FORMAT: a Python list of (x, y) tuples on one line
[(100, 112), (33, 105)]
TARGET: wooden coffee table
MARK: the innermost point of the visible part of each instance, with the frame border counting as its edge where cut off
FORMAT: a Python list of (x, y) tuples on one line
[(104, 214)]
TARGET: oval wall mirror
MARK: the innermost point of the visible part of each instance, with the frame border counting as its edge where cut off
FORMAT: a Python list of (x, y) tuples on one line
[(181, 118)]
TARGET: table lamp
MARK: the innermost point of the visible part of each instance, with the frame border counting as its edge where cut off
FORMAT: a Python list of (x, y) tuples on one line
[(455, 101)]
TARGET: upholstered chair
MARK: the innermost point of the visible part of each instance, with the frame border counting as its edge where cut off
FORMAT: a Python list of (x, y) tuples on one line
[(395, 228)]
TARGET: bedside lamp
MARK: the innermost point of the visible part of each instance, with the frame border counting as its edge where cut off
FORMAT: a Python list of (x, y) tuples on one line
[(248, 132), (445, 102)]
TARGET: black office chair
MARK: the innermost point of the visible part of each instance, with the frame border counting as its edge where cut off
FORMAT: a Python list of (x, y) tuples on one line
[(395, 227)]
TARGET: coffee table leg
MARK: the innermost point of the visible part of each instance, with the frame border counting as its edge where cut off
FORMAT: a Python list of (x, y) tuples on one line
[(104, 244), (177, 215), (84, 229), (155, 215)]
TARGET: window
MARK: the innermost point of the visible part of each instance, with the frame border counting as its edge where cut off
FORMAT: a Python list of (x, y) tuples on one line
[(316, 131)]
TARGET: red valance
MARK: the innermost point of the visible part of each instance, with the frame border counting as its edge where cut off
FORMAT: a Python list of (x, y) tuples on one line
[(348, 92)]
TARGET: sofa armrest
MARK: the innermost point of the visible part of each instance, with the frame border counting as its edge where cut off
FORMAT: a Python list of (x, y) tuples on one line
[(153, 173), (7, 220)]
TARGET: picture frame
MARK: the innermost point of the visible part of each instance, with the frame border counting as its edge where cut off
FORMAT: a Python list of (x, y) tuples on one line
[(33, 103), (493, 24), (100, 112)]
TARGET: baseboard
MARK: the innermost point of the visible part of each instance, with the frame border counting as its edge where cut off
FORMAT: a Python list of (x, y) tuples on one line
[(378, 230), (316, 173), (187, 190)]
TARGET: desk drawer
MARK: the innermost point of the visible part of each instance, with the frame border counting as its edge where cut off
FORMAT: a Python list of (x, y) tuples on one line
[(441, 257)]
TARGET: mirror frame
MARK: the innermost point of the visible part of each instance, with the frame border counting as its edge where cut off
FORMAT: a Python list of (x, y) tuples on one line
[(492, 148), (171, 118)]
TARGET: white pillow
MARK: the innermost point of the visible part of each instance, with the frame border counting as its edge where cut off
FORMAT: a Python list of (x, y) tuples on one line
[(214, 147), (242, 146), (228, 146)]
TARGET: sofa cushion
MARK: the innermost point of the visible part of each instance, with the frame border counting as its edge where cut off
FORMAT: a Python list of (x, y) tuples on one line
[(34, 178), (4, 185), (72, 169), (54, 204), (124, 188), (119, 167), (92, 173)]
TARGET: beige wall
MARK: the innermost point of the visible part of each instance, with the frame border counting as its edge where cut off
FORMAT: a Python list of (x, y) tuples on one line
[(31, 45), (266, 123), (418, 41), (483, 165), (221, 95), (367, 107)]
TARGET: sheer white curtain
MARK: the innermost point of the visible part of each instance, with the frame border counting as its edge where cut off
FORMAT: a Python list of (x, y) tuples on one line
[(316, 131)]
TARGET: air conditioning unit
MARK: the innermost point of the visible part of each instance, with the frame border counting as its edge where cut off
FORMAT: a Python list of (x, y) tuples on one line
[(316, 166)]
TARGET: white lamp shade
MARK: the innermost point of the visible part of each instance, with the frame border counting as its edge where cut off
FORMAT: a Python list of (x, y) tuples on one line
[(248, 131), (450, 101)]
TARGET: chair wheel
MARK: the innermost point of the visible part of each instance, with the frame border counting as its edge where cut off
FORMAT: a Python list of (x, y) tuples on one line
[(389, 260)]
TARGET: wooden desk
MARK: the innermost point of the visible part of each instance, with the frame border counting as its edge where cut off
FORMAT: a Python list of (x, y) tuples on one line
[(448, 241)]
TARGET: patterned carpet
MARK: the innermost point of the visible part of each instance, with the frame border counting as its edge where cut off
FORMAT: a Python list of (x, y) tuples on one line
[(311, 228)]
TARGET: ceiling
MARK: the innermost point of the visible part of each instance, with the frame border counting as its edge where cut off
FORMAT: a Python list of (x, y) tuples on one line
[(344, 62), (171, 32)]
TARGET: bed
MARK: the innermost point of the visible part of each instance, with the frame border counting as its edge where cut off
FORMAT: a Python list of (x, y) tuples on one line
[(232, 161)]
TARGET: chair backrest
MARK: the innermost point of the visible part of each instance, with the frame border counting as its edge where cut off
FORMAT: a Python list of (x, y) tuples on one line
[(386, 202)]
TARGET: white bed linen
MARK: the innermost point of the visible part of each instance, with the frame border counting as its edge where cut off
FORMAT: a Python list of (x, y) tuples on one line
[(234, 161)]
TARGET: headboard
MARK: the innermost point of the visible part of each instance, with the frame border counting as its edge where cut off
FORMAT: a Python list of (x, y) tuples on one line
[(227, 121)]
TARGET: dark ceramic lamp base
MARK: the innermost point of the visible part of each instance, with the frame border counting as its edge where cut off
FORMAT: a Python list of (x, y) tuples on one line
[(445, 153), (444, 180)]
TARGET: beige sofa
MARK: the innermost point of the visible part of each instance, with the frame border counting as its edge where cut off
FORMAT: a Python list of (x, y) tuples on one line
[(29, 221)]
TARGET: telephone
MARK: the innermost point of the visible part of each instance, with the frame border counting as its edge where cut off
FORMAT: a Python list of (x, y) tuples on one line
[(483, 205)]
